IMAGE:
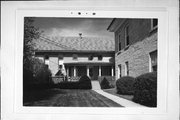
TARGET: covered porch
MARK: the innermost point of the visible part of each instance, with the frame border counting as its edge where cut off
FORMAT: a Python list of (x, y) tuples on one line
[(93, 71)]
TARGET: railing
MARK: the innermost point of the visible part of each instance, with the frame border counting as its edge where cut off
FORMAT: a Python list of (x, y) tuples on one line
[(59, 79)]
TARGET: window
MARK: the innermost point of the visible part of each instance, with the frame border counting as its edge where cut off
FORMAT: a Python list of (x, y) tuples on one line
[(127, 36), (75, 56), (119, 44), (154, 23), (127, 68), (120, 69), (90, 57), (153, 61), (60, 57), (100, 57)]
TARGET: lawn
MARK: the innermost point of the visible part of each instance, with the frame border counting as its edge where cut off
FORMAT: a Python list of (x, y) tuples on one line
[(67, 98), (114, 92)]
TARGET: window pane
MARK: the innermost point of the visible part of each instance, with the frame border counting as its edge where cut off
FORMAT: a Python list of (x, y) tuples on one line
[(153, 56), (155, 22)]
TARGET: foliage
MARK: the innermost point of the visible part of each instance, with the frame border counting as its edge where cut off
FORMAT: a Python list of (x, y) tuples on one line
[(146, 89), (42, 74), (30, 33), (85, 82), (105, 84), (124, 85)]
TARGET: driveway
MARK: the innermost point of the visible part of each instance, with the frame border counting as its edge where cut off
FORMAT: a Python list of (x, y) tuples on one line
[(68, 98)]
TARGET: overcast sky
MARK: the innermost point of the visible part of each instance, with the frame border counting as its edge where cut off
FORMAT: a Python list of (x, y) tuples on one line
[(89, 27)]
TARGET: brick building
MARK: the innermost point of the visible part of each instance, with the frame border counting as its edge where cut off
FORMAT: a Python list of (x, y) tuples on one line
[(77, 56), (135, 46)]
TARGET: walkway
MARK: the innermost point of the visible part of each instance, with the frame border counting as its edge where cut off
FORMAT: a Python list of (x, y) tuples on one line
[(124, 102), (95, 85), (121, 101)]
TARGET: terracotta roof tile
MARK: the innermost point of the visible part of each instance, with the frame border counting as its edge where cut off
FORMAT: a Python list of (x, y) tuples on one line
[(75, 43)]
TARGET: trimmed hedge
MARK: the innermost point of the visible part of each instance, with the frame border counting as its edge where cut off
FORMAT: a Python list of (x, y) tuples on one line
[(145, 87), (83, 83), (105, 84), (124, 85)]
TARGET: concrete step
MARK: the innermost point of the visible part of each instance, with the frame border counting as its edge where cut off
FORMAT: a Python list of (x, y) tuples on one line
[(95, 85)]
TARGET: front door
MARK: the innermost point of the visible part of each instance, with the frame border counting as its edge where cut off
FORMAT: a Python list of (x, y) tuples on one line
[(94, 72)]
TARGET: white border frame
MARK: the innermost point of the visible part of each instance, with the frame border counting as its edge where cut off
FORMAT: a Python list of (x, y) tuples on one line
[(12, 41)]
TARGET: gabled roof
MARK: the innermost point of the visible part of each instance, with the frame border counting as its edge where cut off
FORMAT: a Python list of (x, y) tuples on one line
[(115, 24), (74, 44)]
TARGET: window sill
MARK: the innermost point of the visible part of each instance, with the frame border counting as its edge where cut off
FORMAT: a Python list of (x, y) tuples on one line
[(153, 30), (127, 47), (122, 50)]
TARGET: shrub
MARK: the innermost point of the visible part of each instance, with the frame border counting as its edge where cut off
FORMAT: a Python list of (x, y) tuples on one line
[(124, 85), (85, 82), (146, 89), (42, 74), (105, 84)]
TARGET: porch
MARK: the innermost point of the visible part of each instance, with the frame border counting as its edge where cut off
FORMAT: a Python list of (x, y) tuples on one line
[(92, 71)]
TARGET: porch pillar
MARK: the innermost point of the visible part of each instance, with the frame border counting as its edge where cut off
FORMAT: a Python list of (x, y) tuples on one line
[(99, 70), (88, 71), (74, 71), (68, 71), (112, 71)]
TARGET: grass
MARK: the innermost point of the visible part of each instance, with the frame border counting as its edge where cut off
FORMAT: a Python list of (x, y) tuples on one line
[(113, 91), (67, 98)]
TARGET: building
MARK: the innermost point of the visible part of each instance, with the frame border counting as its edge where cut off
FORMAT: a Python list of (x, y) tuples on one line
[(135, 46), (77, 56)]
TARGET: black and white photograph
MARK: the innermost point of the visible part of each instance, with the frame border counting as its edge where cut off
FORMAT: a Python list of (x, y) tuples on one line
[(84, 60), (90, 62)]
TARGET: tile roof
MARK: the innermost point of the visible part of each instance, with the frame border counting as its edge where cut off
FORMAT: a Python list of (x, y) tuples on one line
[(75, 44)]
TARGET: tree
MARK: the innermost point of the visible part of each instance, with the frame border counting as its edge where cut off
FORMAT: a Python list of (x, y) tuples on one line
[(30, 33)]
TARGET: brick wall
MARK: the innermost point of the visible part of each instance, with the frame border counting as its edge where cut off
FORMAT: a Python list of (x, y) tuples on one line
[(137, 55), (139, 29)]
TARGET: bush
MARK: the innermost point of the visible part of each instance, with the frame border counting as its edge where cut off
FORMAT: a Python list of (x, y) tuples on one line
[(146, 89), (42, 74), (124, 85), (105, 84), (85, 82)]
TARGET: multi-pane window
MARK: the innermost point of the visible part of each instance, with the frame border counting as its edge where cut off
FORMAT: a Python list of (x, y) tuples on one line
[(119, 42), (90, 57), (126, 35), (100, 57), (153, 61), (154, 23), (75, 56), (120, 69), (127, 68)]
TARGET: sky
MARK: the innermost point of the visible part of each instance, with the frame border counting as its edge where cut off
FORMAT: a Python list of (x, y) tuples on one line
[(89, 27)]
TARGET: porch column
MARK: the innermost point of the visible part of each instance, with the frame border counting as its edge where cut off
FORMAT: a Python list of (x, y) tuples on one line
[(68, 71), (88, 71), (112, 71), (74, 71), (99, 70)]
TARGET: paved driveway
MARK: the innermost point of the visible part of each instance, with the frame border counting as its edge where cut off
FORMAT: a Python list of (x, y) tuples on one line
[(69, 98)]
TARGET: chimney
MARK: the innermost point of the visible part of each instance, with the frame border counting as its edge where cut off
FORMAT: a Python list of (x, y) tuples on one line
[(80, 35)]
